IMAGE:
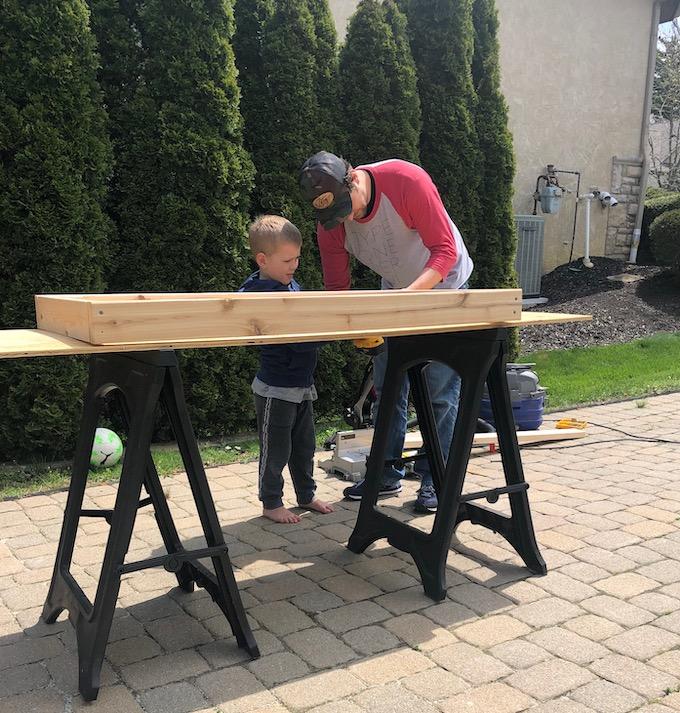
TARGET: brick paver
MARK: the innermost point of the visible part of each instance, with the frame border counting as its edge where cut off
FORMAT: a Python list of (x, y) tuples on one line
[(607, 697), (346, 633), (494, 698)]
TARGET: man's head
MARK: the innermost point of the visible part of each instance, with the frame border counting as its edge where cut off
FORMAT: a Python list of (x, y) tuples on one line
[(326, 181), (275, 244)]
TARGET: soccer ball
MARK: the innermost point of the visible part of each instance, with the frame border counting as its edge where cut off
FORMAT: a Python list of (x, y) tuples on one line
[(106, 449)]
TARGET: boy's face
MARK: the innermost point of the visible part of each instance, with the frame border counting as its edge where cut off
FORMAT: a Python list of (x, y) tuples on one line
[(281, 264)]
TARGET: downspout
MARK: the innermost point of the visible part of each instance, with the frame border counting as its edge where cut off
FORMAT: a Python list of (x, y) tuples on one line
[(587, 262), (644, 133)]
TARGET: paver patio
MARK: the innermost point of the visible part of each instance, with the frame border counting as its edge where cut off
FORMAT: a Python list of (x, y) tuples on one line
[(347, 633)]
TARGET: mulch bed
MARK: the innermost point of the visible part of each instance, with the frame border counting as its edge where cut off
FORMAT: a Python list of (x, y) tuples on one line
[(621, 311)]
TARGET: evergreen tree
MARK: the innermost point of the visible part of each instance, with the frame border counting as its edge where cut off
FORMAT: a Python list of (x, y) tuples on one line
[(185, 176), (380, 109), (290, 123), (495, 249), (441, 35), (184, 180), (54, 163), (287, 120), (251, 17), (326, 55), (115, 26)]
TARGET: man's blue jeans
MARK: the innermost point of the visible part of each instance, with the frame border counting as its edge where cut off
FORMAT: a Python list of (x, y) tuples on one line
[(444, 387)]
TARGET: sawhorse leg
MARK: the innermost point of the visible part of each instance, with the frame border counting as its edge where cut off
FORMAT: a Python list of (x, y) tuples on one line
[(141, 380), (475, 356)]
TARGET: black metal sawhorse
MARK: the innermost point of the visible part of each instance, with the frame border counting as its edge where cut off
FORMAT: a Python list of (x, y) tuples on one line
[(478, 357), (139, 381)]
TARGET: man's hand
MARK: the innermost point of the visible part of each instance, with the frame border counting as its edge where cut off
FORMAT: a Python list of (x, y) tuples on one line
[(427, 279)]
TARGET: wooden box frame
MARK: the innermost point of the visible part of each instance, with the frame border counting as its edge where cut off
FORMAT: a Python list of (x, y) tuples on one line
[(111, 319)]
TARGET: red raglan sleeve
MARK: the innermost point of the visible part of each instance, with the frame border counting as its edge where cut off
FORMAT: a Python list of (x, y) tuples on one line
[(334, 258), (421, 208)]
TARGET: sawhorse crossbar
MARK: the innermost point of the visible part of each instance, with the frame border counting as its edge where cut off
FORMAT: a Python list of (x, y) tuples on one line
[(139, 380), (477, 356)]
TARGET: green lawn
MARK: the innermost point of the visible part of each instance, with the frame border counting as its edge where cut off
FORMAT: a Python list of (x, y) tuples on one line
[(609, 373), (18, 480), (573, 377)]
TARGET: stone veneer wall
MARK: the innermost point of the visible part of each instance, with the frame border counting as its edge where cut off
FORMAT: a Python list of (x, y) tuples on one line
[(625, 186)]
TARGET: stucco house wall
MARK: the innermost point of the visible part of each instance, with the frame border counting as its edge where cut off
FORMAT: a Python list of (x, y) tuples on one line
[(574, 76)]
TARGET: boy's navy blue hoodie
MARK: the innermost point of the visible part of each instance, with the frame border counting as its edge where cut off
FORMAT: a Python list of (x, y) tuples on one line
[(287, 365)]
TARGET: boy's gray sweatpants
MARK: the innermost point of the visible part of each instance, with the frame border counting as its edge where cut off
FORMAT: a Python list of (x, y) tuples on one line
[(286, 434)]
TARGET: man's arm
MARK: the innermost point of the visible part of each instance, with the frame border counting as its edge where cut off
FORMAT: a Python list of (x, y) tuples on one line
[(427, 279), (420, 207), (334, 258)]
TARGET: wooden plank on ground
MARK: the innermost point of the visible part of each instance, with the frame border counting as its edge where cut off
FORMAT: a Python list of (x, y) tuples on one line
[(414, 440)]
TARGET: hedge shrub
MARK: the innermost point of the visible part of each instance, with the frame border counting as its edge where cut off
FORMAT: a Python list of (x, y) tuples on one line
[(184, 183), (382, 120), (656, 206), (287, 120), (655, 192), (664, 234), (442, 41), (494, 253), (55, 159)]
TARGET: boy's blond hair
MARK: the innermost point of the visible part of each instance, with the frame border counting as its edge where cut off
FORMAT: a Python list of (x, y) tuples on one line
[(267, 232)]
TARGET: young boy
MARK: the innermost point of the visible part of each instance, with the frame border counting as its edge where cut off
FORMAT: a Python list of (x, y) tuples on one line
[(284, 384)]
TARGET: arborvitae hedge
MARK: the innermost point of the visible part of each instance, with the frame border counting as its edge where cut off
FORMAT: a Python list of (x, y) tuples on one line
[(379, 98), (441, 35), (288, 123), (328, 131), (275, 45), (55, 159), (380, 109), (184, 186), (194, 212), (115, 26), (251, 17), (495, 248)]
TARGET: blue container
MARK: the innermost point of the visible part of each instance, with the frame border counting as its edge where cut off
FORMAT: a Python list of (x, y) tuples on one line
[(527, 396)]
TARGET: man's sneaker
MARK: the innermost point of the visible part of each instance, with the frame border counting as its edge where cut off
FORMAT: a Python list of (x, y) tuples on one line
[(356, 491), (427, 499)]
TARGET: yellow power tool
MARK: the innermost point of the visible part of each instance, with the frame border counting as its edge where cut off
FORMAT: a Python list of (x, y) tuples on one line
[(370, 345), (571, 423)]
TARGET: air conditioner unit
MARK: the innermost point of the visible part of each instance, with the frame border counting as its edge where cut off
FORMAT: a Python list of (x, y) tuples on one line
[(529, 260)]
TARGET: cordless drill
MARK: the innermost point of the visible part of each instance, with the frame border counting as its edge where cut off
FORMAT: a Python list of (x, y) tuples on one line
[(370, 345)]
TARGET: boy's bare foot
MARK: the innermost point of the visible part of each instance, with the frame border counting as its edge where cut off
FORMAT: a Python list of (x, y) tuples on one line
[(281, 515), (319, 506)]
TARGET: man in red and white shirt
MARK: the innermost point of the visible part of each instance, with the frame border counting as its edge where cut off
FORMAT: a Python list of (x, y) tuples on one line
[(390, 217)]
